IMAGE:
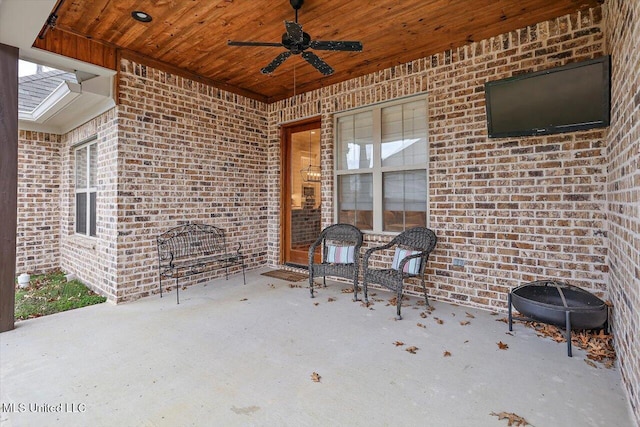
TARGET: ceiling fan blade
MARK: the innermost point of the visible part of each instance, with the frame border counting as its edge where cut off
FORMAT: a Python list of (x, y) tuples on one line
[(294, 30), (336, 45), (275, 63), (233, 43), (318, 63)]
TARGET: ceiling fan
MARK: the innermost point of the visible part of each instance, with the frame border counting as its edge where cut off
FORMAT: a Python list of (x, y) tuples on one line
[(297, 42)]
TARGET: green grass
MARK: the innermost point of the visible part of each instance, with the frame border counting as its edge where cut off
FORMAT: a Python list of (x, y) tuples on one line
[(51, 293)]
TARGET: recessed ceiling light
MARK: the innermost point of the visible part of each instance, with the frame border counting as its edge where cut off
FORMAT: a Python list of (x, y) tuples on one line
[(141, 16)]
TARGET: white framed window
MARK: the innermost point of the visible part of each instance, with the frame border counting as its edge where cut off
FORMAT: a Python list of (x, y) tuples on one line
[(381, 166), (86, 166)]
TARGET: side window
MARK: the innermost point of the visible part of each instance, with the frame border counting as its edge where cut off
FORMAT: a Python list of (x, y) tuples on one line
[(86, 162)]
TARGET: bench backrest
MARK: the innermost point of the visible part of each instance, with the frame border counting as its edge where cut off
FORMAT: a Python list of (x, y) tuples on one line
[(190, 241)]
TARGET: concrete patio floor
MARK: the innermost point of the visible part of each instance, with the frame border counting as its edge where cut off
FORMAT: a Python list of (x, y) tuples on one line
[(236, 355)]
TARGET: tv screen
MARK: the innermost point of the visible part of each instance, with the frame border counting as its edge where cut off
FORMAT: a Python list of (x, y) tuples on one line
[(563, 99)]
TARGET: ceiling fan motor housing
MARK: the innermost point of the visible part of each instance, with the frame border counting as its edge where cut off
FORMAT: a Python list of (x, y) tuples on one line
[(296, 48)]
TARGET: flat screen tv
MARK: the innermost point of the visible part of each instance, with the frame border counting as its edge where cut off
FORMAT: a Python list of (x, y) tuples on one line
[(563, 99)]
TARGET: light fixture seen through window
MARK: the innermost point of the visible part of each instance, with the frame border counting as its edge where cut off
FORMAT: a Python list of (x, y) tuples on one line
[(311, 173), (141, 16)]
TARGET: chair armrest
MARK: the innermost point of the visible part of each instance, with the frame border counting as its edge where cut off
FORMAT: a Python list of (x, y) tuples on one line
[(312, 248)]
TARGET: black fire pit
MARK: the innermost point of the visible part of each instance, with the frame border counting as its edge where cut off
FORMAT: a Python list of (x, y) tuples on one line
[(559, 304)]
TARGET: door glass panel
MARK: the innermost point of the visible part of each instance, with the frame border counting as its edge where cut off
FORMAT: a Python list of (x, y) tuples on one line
[(305, 177)]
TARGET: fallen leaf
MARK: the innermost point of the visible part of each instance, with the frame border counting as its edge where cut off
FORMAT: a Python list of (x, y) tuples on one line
[(315, 377), (513, 419), (244, 299), (347, 290), (331, 299), (423, 315), (420, 325), (493, 313), (598, 344), (412, 349), (438, 321), (509, 333), (446, 354), (453, 314), (503, 319), (469, 315), (466, 341), (398, 343), (502, 346), (464, 322), (272, 286), (316, 303), (293, 285)]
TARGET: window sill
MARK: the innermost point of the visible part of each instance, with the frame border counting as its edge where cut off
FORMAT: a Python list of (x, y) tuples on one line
[(85, 242)]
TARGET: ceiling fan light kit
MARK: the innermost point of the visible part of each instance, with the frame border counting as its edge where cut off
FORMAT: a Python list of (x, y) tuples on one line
[(297, 42)]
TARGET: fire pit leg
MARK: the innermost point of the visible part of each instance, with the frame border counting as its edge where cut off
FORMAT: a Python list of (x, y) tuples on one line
[(510, 315), (568, 332)]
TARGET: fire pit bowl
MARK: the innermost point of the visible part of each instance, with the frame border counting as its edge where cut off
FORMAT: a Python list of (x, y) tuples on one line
[(559, 304)]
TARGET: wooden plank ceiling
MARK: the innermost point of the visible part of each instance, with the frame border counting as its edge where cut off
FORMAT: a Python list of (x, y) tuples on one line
[(192, 35)]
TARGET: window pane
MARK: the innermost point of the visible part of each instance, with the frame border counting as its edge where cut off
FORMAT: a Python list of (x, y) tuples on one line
[(404, 200), (81, 213), (355, 200), (404, 134), (355, 146), (93, 160), (92, 214), (81, 168)]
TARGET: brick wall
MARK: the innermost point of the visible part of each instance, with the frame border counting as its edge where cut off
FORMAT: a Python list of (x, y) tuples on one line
[(92, 259), (38, 232), (515, 209), (186, 152), (622, 24)]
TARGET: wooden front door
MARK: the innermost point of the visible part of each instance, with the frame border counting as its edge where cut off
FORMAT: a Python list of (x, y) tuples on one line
[(301, 205)]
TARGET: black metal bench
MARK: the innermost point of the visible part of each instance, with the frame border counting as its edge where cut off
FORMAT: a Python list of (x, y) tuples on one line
[(193, 249)]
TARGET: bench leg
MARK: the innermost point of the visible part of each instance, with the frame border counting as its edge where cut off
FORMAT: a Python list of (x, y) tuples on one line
[(244, 278), (161, 286), (177, 292)]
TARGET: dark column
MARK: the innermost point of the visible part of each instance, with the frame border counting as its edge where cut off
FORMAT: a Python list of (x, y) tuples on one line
[(8, 182)]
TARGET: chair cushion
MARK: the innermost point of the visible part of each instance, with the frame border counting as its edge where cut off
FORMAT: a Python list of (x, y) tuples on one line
[(412, 266), (340, 254)]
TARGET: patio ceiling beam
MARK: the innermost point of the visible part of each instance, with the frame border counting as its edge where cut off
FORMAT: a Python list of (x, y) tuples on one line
[(8, 182)]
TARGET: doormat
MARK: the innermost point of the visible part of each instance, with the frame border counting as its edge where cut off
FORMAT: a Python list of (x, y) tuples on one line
[(291, 276)]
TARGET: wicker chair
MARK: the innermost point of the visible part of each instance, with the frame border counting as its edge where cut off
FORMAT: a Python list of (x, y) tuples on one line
[(340, 255), (412, 251)]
